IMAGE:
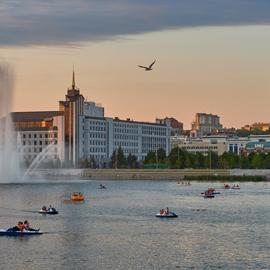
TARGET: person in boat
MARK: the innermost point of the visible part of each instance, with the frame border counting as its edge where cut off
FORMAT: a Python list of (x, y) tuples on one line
[(19, 227), (167, 211), (44, 208), (162, 211), (27, 226), (51, 209)]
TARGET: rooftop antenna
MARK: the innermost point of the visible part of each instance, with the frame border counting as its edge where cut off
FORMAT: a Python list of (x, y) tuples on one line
[(73, 79)]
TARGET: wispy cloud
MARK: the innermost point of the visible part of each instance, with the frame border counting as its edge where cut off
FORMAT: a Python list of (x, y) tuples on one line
[(42, 22)]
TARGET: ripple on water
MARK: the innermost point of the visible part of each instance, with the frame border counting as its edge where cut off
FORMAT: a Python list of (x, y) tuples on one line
[(117, 228)]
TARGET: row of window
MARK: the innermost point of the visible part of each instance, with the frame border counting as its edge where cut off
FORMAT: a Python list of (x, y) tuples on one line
[(97, 143), (123, 144), (46, 135), (96, 123), (97, 128), (39, 142), (97, 135), (126, 137), (154, 131), (155, 139), (97, 149), (126, 130), (200, 147)]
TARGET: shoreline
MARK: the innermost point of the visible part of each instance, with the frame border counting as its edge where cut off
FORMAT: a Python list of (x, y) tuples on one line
[(155, 175)]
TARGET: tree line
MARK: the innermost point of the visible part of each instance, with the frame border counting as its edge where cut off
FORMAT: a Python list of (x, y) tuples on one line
[(181, 159), (177, 159)]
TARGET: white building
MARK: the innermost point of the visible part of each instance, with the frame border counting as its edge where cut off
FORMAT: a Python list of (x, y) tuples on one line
[(39, 133), (93, 109), (101, 136), (90, 135)]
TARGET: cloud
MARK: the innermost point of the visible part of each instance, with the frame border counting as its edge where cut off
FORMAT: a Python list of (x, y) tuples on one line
[(41, 22)]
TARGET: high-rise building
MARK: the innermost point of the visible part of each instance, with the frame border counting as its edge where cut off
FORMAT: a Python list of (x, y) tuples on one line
[(204, 124)]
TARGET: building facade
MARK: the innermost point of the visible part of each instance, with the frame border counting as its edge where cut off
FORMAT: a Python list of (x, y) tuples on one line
[(101, 136), (90, 135), (204, 124), (79, 131), (39, 135), (202, 146), (177, 128)]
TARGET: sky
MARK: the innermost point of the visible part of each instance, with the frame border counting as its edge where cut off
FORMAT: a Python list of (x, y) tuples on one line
[(211, 56)]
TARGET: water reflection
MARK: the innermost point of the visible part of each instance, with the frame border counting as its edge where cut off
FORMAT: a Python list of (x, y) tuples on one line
[(116, 228)]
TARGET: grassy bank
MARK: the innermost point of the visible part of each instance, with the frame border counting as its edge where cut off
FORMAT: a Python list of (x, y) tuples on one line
[(225, 178)]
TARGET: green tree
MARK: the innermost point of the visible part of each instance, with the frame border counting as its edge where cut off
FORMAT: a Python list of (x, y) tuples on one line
[(244, 162), (266, 163), (150, 158), (161, 155), (118, 159), (176, 158), (132, 161), (257, 161)]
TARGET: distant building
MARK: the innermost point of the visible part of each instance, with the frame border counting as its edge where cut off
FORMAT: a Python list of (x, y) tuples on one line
[(256, 147), (101, 136), (175, 125), (79, 131), (257, 126), (202, 146), (39, 132), (204, 124), (90, 135)]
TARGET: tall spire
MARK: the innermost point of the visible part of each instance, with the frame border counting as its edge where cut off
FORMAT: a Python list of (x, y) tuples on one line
[(73, 79)]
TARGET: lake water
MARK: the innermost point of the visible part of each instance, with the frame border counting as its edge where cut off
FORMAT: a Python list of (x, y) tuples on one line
[(116, 228)]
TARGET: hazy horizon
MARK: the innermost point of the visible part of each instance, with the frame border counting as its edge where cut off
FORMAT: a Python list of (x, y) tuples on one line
[(211, 57)]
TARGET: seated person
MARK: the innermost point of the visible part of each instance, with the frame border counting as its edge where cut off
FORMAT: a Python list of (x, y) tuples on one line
[(44, 208), (167, 211), (17, 228), (27, 226), (162, 211), (51, 209)]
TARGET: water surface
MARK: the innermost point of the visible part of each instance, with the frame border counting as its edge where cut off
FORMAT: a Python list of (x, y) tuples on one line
[(116, 228)]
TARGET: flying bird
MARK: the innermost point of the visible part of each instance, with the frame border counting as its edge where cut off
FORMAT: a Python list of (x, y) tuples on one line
[(148, 68)]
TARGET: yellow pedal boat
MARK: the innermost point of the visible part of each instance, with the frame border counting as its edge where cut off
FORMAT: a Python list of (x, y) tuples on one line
[(77, 197)]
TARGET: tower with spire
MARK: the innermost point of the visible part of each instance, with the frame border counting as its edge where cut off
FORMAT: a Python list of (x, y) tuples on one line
[(73, 108)]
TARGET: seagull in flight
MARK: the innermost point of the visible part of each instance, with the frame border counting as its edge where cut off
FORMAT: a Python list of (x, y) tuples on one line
[(148, 68)]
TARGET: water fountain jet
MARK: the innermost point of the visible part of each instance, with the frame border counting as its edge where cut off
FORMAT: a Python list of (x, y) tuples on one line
[(9, 158)]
